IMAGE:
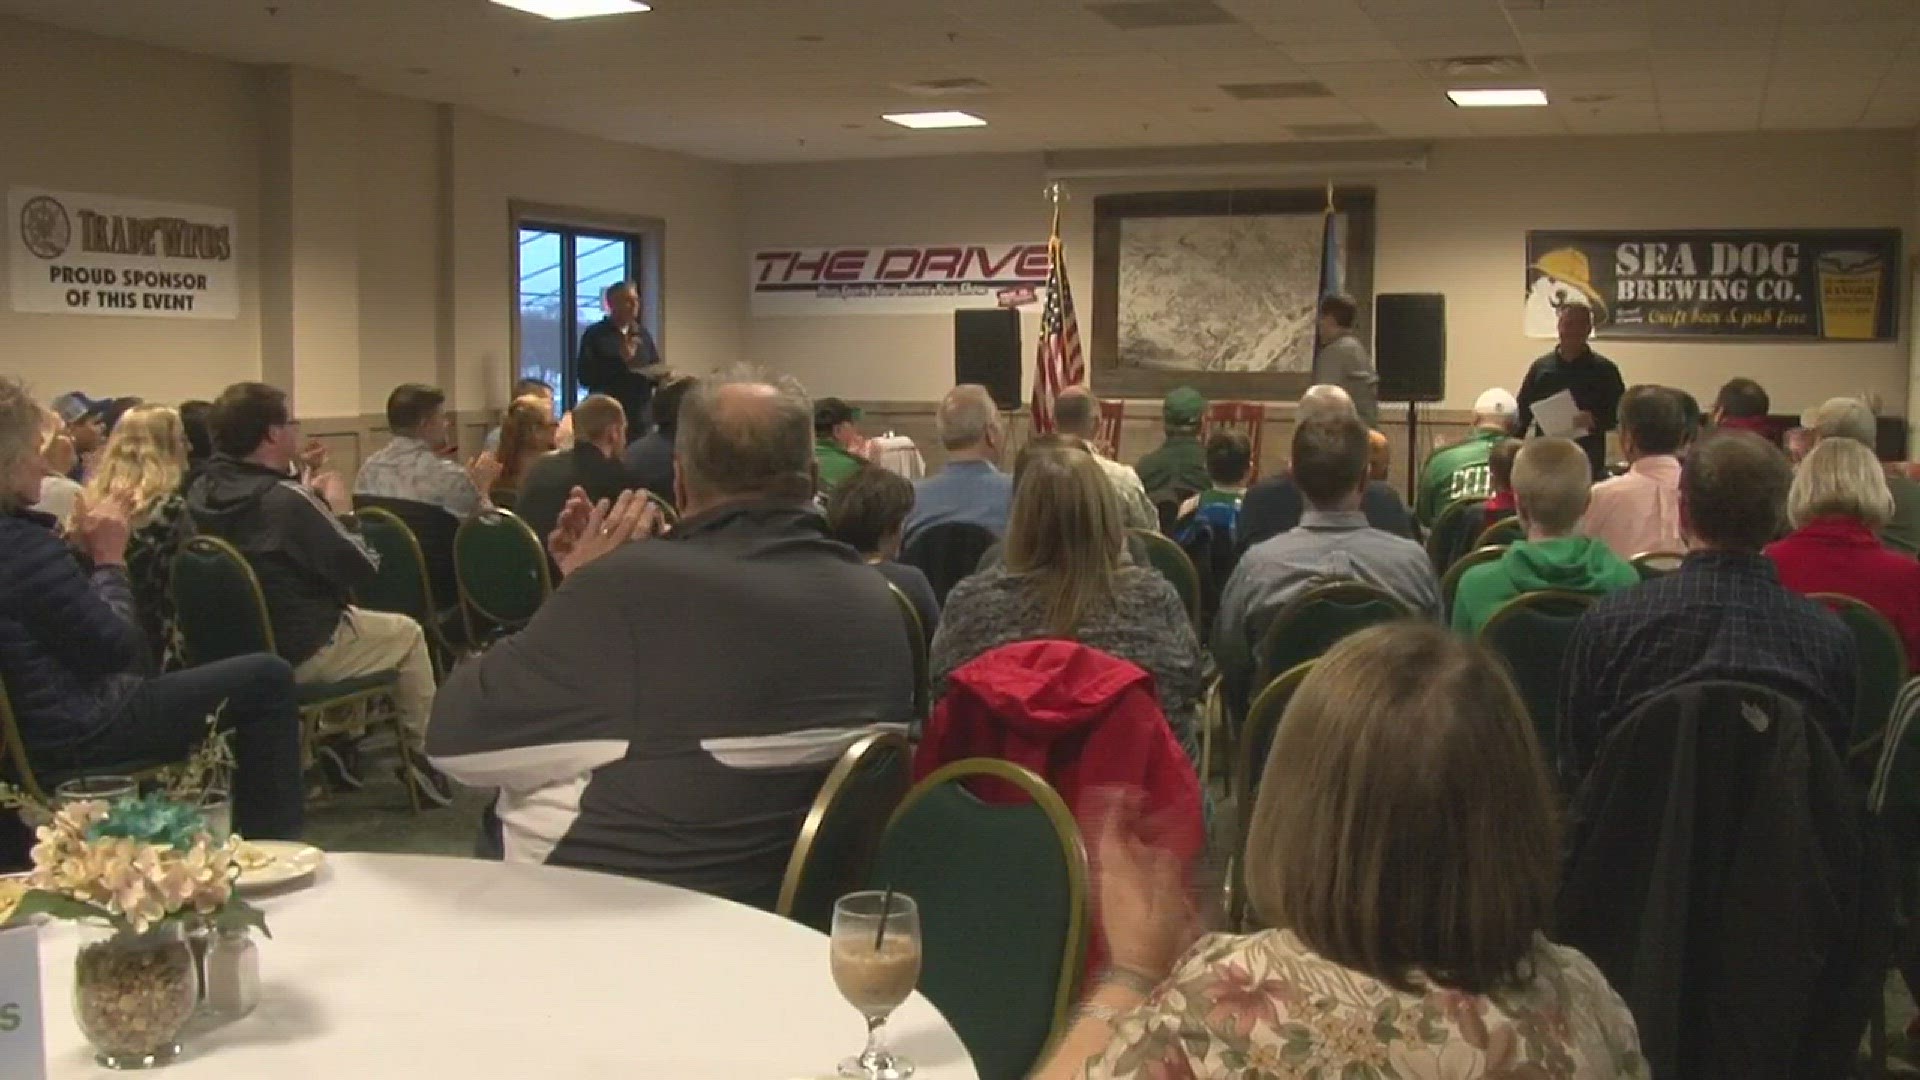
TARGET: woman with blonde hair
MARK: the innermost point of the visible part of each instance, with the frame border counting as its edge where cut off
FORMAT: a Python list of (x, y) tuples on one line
[(1402, 856), (144, 466), (527, 431), (1065, 573), (1838, 504)]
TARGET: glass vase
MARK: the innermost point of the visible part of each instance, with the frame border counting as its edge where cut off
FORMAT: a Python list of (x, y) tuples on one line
[(133, 992)]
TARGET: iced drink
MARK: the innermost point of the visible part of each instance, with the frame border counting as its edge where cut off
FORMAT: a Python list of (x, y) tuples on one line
[(876, 981)]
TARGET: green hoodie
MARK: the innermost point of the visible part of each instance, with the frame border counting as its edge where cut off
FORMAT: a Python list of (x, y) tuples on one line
[(1575, 563)]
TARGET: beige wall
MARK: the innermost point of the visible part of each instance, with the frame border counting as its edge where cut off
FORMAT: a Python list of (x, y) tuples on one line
[(1459, 228)]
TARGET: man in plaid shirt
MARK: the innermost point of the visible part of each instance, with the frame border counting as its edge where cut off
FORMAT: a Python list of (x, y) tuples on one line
[(1722, 615)]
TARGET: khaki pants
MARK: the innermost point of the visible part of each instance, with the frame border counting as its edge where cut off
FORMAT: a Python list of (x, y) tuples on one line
[(372, 641)]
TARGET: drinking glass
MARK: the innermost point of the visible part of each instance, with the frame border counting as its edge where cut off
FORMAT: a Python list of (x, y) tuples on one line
[(101, 788), (876, 962), (216, 805)]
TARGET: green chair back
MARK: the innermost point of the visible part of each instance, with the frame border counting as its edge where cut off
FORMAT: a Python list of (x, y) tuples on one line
[(401, 586), (917, 641), (1505, 531), (1450, 583), (1256, 743), (1171, 560), (1316, 620), (1895, 793), (1653, 564), (502, 568), (1448, 537), (218, 603), (1531, 632), (1883, 669), (1002, 891), (842, 831)]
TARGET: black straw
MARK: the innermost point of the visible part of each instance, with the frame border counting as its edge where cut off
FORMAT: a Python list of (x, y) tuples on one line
[(886, 903)]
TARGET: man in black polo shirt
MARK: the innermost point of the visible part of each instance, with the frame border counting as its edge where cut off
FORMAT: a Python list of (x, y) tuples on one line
[(1593, 380), (618, 357)]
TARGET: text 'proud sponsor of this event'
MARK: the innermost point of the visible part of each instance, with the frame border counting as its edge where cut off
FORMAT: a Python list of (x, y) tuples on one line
[(76, 254), (909, 279)]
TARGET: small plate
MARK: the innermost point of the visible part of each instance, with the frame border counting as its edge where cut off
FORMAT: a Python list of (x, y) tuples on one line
[(292, 861)]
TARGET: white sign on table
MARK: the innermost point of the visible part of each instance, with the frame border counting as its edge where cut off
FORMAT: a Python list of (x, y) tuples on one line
[(23, 1053), (77, 254)]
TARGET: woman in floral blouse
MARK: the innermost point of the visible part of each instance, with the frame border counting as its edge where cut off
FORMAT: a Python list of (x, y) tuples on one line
[(1403, 849), (145, 463)]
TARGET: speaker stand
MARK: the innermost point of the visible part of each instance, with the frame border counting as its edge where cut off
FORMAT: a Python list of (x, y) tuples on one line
[(1413, 451)]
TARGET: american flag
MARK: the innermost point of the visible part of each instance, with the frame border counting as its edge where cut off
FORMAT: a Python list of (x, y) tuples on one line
[(1058, 363)]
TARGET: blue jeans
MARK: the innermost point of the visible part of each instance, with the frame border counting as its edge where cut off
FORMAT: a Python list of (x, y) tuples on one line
[(166, 719)]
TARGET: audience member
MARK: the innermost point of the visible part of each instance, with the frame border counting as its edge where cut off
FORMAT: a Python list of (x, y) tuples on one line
[(143, 467), (304, 545), (1342, 360), (193, 418), (1838, 499), (672, 709), (412, 465), (1551, 480), (1850, 418), (1229, 465), (866, 513), (58, 489), (1722, 615), (1178, 466), (1500, 504), (1062, 574), (70, 654), (1640, 511), (110, 415), (1274, 505), (649, 459), (526, 432), (1742, 405), (1459, 471), (1407, 898), (1077, 412), (593, 465), (524, 388), (838, 446), (970, 490), (86, 423), (1333, 542), (1593, 381)]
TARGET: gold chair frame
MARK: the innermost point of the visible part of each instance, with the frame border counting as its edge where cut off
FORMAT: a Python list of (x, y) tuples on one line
[(837, 779), (1190, 601), (1268, 707), (1868, 749), (922, 648), (431, 624), (1504, 525), (467, 604)]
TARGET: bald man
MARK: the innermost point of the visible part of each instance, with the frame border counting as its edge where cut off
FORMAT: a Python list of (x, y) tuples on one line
[(1077, 412), (1274, 505)]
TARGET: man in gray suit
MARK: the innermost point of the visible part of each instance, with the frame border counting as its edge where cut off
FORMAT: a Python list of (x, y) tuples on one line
[(1343, 359)]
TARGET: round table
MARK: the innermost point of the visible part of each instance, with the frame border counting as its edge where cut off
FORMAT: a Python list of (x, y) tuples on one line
[(394, 966)]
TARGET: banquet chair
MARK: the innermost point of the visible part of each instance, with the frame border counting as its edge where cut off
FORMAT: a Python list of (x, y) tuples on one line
[(1450, 582), (223, 613), (1315, 621), (668, 513), (1532, 632), (1249, 417), (433, 530), (503, 573), (1883, 669), (403, 585), (16, 763), (1171, 560), (1113, 418), (1893, 799), (1505, 531), (947, 553), (1653, 564), (1454, 532), (917, 641), (1256, 743), (1002, 891), (842, 830)]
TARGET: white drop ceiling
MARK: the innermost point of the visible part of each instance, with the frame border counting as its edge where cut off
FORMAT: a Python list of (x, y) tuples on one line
[(757, 81)]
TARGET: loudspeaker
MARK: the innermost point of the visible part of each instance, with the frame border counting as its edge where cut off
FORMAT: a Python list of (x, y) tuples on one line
[(986, 350), (1410, 346)]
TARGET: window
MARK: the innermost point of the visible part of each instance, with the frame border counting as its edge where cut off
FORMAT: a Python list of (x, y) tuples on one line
[(562, 272)]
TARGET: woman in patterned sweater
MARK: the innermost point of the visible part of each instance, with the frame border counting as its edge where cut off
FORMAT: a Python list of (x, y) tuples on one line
[(1403, 853), (145, 464)]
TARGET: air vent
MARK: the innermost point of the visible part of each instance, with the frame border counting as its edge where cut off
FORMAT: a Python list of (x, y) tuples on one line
[(938, 88), (1335, 131), (1477, 67), (1162, 14), (1276, 91)]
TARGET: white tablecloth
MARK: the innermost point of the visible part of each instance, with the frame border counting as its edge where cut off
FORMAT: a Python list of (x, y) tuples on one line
[(396, 966)]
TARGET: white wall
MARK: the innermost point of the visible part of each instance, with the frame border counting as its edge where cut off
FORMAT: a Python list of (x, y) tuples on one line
[(1459, 228)]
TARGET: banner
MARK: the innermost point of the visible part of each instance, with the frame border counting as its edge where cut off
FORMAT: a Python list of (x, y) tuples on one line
[(909, 279), (1824, 284), (76, 254)]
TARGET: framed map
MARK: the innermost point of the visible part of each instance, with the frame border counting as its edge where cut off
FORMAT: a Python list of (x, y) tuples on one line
[(1219, 290)]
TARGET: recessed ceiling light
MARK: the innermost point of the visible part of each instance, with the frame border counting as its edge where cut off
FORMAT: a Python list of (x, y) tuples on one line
[(921, 121), (574, 9), (1497, 99)]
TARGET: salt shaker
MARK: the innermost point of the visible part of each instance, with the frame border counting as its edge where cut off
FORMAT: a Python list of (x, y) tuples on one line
[(233, 973)]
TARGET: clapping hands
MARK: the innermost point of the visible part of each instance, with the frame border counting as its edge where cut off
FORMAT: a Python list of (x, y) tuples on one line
[(585, 531), (101, 529)]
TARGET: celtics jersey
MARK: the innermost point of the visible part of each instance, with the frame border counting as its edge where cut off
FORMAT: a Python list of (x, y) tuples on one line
[(1455, 472)]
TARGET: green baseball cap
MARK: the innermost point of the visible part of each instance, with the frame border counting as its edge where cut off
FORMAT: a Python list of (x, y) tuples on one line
[(1184, 407)]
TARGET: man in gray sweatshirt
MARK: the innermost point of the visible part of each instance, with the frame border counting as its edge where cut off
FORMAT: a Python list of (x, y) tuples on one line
[(1343, 359)]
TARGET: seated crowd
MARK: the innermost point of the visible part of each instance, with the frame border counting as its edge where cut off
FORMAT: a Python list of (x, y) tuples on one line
[(1403, 844)]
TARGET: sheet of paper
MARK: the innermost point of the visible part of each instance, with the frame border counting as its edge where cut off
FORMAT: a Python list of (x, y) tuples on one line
[(1555, 415), (23, 1055)]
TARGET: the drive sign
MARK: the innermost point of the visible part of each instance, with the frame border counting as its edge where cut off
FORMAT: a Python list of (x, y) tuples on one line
[(897, 280)]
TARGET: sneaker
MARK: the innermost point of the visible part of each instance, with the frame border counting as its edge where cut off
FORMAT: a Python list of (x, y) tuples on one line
[(339, 762), (433, 787)]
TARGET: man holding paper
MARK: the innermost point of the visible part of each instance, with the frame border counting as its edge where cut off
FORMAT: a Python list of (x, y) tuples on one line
[(1573, 391)]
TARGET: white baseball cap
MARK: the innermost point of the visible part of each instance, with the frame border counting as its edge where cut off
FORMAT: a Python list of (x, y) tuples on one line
[(1495, 402)]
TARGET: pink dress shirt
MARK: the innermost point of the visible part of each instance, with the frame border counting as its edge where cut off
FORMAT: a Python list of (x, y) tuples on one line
[(1640, 511)]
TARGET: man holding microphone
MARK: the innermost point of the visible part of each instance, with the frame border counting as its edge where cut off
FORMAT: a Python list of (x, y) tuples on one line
[(618, 357)]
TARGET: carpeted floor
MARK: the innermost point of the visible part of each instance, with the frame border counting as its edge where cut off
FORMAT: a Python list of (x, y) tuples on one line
[(378, 818)]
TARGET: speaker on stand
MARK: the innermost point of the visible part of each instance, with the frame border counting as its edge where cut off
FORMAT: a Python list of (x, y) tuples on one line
[(986, 350), (1410, 355)]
